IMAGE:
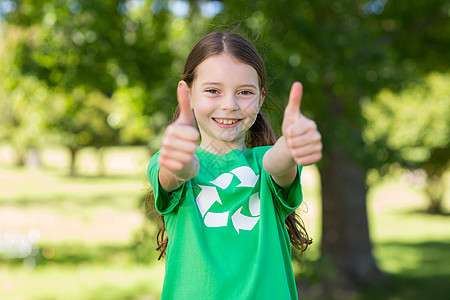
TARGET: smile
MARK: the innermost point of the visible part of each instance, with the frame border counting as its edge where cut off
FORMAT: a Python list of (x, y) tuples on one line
[(226, 121)]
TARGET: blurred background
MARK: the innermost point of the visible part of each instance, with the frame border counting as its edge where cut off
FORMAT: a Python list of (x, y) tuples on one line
[(88, 87)]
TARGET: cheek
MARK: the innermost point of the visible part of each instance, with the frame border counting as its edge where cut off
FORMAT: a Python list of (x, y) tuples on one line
[(202, 107), (252, 109)]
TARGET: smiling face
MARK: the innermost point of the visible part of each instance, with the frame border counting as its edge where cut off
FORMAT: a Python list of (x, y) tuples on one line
[(226, 99)]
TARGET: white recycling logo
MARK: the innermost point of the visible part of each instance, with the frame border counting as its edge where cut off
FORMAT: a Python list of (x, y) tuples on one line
[(209, 195)]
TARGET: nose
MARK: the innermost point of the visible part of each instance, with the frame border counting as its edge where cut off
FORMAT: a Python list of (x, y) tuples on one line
[(229, 102)]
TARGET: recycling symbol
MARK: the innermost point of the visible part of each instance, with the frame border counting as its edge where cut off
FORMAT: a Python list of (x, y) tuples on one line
[(209, 195)]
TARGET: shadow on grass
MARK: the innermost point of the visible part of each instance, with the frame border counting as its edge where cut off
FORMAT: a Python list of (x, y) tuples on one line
[(424, 212), (109, 177), (75, 254), (64, 200), (413, 271), (40, 189), (415, 259), (411, 287)]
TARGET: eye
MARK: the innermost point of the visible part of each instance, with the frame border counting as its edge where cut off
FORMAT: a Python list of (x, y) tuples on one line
[(246, 92), (212, 91)]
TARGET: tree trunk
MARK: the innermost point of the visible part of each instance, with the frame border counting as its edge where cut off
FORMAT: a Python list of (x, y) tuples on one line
[(20, 157), (345, 232), (435, 168), (33, 160), (73, 156), (101, 167), (435, 192)]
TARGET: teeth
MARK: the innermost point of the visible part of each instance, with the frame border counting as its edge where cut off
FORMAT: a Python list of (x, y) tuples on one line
[(226, 121)]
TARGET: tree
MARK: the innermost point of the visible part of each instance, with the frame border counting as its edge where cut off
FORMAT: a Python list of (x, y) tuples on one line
[(89, 54), (75, 119), (23, 99), (412, 129), (80, 119)]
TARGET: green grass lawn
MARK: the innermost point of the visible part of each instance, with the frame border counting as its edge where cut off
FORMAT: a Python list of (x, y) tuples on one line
[(90, 242), (412, 247), (89, 229), (85, 281)]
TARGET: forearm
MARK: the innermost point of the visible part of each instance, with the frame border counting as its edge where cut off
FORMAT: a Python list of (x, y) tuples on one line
[(278, 163), (170, 179)]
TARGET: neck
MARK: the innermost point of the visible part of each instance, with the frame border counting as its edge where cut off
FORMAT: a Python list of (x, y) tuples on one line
[(221, 147)]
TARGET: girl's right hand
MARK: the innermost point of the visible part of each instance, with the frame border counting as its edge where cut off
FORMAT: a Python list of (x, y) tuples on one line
[(179, 143)]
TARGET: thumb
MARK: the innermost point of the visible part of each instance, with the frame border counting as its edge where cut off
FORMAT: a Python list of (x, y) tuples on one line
[(184, 105), (295, 99)]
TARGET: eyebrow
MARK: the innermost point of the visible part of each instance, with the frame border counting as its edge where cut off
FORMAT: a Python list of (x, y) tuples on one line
[(241, 86), (211, 83)]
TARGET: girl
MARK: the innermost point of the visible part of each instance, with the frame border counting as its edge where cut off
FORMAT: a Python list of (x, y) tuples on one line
[(229, 203)]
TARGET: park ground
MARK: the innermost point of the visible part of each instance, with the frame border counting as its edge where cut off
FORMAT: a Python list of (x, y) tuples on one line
[(86, 237)]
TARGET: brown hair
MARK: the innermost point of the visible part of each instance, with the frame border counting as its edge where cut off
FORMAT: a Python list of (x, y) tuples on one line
[(260, 134)]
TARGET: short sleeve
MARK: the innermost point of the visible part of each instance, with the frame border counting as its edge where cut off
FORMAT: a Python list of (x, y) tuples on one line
[(165, 201), (289, 198)]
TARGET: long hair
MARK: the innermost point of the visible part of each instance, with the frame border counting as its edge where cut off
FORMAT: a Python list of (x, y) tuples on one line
[(260, 133)]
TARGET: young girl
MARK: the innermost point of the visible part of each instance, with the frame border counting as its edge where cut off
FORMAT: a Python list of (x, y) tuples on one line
[(229, 203)]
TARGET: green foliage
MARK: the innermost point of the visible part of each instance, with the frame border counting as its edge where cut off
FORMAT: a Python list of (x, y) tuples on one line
[(412, 129), (411, 123), (34, 113), (127, 117), (415, 34), (106, 66), (80, 119), (23, 99), (132, 51), (342, 52)]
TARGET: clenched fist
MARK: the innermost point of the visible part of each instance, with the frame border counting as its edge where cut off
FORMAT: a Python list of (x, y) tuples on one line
[(302, 137), (180, 139)]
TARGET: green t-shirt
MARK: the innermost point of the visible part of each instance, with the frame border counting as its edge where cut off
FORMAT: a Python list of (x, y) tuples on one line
[(227, 236)]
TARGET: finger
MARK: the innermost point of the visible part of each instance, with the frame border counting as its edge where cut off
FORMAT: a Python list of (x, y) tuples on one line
[(309, 159), (179, 144), (183, 132), (309, 138), (167, 154), (295, 98), (186, 116), (307, 154), (170, 164), (306, 150), (302, 126)]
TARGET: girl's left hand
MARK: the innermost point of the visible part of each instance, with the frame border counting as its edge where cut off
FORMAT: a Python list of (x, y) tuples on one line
[(302, 137)]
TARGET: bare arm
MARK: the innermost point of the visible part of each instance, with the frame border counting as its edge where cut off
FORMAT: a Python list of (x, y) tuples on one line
[(279, 163), (170, 180)]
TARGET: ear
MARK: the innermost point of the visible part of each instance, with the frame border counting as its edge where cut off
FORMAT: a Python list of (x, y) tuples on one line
[(262, 96)]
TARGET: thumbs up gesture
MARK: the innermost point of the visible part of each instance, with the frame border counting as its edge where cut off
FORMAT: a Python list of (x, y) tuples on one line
[(301, 134), (180, 139)]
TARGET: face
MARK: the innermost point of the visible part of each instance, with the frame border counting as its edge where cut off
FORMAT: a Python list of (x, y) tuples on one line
[(226, 99)]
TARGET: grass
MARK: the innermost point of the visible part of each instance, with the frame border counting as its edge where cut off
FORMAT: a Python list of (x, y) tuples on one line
[(411, 247), (90, 241), (416, 270), (60, 193), (93, 242), (83, 281)]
